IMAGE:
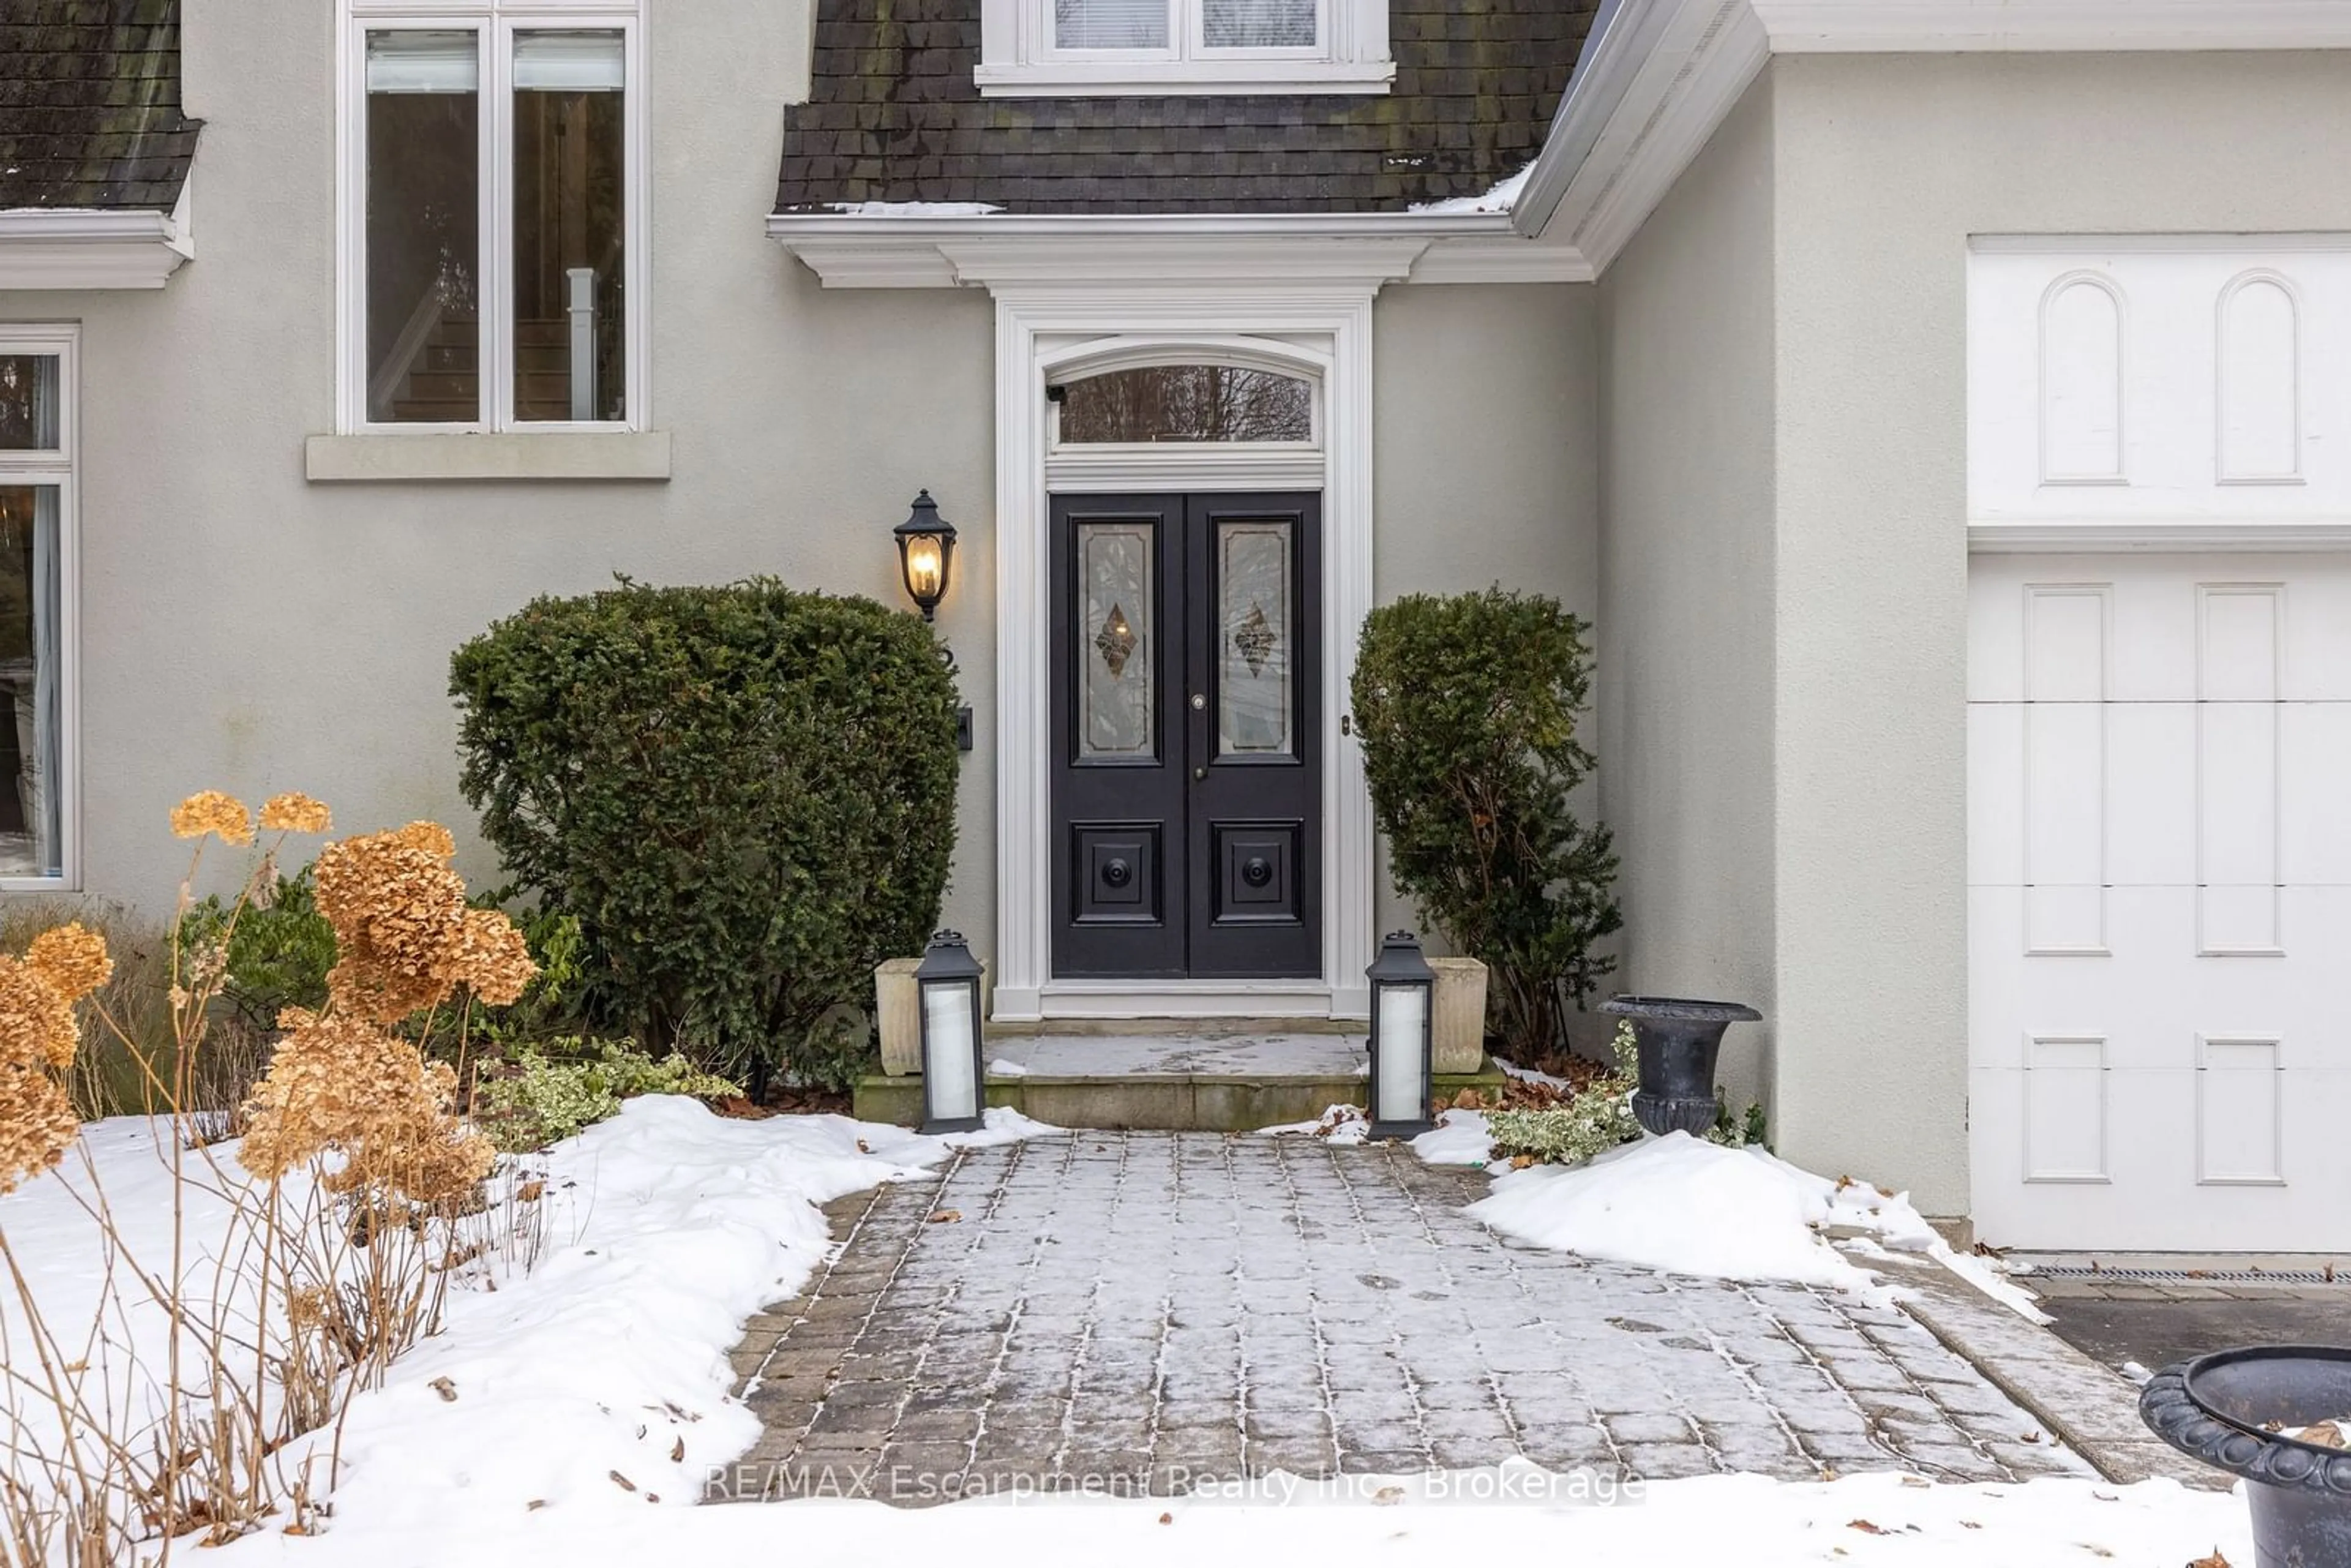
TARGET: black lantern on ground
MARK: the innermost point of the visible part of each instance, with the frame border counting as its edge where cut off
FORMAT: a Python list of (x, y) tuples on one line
[(926, 554), (1402, 988), (954, 1078)]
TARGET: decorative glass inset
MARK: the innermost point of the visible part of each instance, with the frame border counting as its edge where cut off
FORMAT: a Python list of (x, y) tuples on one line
[(1117, 705), (1187, 403), (1258, 23), (1253, 651), (31, 658)]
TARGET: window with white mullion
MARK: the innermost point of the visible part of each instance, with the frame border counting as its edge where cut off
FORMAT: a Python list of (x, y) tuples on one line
[(1189, 29), (495, 232), (39, 638)]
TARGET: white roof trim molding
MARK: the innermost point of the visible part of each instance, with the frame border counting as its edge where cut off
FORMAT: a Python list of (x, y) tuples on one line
[(906, 247), (1658, 76), (92, 248)]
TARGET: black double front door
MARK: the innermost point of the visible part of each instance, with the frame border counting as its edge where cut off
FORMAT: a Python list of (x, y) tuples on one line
[(1187, 778)]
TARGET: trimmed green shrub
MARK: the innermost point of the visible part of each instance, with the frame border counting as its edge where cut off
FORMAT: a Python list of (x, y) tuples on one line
[(552, 1093), (1468, 707), (279, 952), (744, 794)]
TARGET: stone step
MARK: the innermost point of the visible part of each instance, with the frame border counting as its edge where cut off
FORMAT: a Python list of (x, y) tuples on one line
[(1209, 1102)]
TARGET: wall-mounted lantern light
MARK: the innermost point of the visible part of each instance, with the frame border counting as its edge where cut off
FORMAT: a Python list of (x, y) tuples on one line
[(1402, 986), (954, 1077), (926, 554)]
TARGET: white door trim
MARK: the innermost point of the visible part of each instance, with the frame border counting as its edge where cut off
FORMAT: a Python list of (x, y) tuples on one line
[(1323, 326)]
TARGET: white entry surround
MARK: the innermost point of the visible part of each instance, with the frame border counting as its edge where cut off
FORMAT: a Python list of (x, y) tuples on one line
[(1062, 310), (2159, 742)]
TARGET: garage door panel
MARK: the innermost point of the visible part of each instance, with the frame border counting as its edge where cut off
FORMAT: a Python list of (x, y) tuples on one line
[(2159, 910), (2314, 793)]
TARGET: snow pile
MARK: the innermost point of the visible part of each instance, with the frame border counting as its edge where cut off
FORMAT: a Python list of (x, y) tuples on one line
[(597, 1382), (1461, 1138), (914, 209)]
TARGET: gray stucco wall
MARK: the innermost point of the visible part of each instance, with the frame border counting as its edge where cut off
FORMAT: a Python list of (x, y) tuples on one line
[(1885, 166), (249, 630), (1687, 565), (1486, 457)]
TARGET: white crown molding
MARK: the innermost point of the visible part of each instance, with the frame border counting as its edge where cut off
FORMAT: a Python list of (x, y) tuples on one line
[(911, 249), (1658, 77), (87, 247)]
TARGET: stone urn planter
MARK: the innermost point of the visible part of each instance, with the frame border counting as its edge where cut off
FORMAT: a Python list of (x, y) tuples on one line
[(2221, 1409), (1679, 1040)]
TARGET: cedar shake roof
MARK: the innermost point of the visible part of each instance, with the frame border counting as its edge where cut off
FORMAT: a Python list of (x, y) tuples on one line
[(893, 115), (90, 104)]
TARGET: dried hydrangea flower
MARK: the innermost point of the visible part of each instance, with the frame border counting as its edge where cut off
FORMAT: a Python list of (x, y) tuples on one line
[(294, 813), (210, 811), (37, 1123), (430, 838), (36, 1022), (340, 1084), (493, 958), (72, 958)]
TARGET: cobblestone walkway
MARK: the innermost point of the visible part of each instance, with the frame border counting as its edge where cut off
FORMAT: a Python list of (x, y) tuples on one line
[(1111, 1309)]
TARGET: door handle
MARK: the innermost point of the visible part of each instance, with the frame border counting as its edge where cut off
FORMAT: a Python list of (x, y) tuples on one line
[(1199, 773), (1200, 702)]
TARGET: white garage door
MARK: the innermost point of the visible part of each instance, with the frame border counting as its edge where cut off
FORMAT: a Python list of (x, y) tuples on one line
[(2159, 758)]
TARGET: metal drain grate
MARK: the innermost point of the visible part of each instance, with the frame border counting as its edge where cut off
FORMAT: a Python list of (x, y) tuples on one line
[(2187, 1276)]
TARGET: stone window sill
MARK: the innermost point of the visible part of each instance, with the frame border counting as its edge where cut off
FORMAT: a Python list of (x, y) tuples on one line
[(638, 455)]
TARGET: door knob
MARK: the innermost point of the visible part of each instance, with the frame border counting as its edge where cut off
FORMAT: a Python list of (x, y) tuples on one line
[(1199, 773), (1200, 702)]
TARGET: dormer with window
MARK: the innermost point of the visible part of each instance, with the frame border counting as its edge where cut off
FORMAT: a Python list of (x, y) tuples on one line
[(1036, 48)]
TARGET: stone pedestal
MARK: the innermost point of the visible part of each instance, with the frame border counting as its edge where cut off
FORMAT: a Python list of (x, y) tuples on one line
[(898, 1012), (1458, 1015)]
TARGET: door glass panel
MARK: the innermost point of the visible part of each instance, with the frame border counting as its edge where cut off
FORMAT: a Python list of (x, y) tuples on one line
[(1188, 402), (1116, 646), (1253, 643)]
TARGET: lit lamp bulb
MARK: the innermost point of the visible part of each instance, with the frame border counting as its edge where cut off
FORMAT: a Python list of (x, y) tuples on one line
[(923, 570)]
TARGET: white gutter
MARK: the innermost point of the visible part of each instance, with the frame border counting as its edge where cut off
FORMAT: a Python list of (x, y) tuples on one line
[(88, 248), (904, 246), (1623, 30)]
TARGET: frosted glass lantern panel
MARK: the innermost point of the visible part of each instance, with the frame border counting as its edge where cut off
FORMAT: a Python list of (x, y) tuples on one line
[(1404, 1020), (1116, 647), (1187, 403), (1255, 639), (948, 1059)]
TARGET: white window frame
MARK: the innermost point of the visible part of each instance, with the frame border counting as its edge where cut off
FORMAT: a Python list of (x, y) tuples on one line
[(55, 466), (494, 24), (1019, 57)]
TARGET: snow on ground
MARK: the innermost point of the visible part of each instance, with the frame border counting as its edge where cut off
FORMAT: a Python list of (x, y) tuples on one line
[(1509, 1515), (1460, 1139), (666, 1226)]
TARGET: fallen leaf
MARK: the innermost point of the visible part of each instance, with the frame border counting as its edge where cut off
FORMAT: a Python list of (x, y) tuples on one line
[(678, 1453), (1521, 1162), (1387, 1495), (864, 1148), (1916, 1481), (2033, 1436), (653, 1496), (1868, 1529), (534, 1505), (2327, 1435), (623, 1482), (1969, 1524), (2215, 1560), (297, 1528), (444, 1387), (946, 1216), (1166, 1518), (1468, 1100), (530, 1192), (2093, 1550)]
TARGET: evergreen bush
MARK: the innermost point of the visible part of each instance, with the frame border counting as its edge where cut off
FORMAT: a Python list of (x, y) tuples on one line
[(745, 795), (1468, 708)]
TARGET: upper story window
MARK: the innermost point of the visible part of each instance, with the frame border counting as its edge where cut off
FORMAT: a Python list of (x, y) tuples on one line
[(492, 245), (1066, 48)]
